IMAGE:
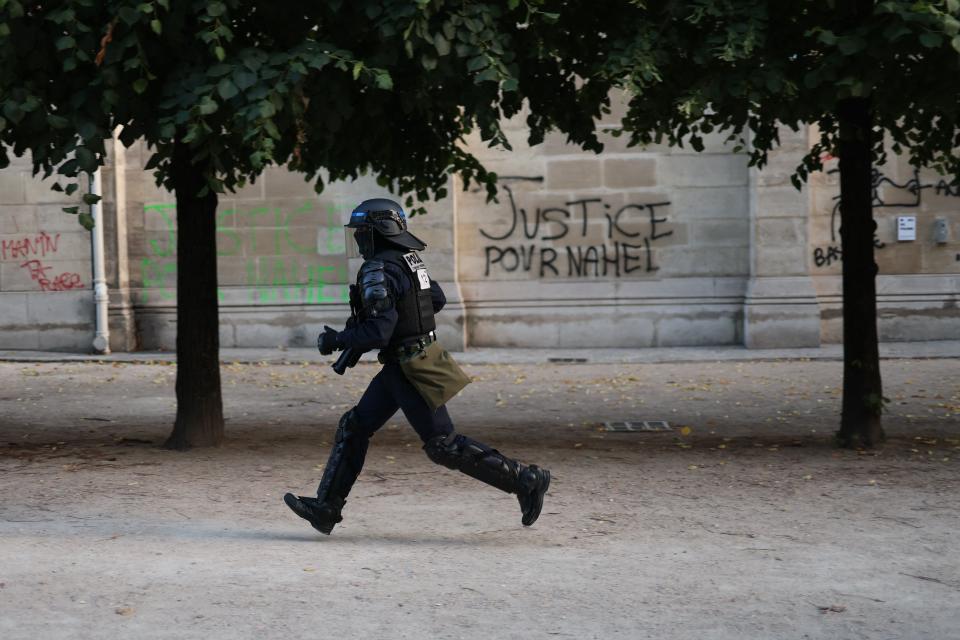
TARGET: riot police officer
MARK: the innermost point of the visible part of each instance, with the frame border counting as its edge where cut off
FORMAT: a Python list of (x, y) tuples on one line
[(398, 301)]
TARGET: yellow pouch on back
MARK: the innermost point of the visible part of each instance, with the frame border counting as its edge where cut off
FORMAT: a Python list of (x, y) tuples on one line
[(434, 374)]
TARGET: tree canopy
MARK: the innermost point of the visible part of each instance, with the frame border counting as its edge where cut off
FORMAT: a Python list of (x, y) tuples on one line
[(349, 87), (863, 72), (221, 89), (698, 66)]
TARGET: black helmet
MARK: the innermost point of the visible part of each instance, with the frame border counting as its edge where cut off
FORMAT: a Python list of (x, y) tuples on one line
[(386, 217)]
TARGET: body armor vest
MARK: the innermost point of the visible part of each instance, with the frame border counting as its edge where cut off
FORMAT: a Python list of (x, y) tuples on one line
[(414, 306)]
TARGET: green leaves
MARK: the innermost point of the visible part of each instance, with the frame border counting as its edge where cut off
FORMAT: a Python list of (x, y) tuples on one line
[(800, 64), (68, 168), (442, 44), (86, 159), (216, 9), (13, 112), (931, 40), (243, 78), (267, 110), (15, 9), (227, 89), (384, 81), (246, 88), (851, 45), (207, 106), (65, 42), (478, 62), (129, 15), (271, 129)]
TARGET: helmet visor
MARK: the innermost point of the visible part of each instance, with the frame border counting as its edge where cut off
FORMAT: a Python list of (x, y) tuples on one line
[(386, 223)]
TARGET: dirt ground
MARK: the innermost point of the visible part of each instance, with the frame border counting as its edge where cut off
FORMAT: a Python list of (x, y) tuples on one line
[(743, 522)]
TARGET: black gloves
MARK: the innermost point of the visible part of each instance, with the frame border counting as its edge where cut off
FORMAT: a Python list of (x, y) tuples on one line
[(327, 342)]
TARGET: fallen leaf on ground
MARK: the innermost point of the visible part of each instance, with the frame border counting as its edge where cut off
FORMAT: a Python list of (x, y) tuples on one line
[(834, 608)]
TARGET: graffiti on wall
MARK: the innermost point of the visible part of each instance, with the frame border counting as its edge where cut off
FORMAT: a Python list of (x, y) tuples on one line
[(908, 195), (911, 190), (36, 247), (40, 273), (279, 264), (549, 241)]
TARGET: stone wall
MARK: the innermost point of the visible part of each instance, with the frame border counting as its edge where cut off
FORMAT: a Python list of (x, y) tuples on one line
[(918, 286), (627, 248), (283, 266), (45, 272), (632, 248)]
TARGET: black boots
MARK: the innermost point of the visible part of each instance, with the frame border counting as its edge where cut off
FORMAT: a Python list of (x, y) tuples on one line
[(322, 515), (535, 482), (475, 459), (479, 461), (343, 467)]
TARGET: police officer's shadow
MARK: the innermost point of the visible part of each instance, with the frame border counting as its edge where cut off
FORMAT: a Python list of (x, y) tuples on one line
[(345, 536)]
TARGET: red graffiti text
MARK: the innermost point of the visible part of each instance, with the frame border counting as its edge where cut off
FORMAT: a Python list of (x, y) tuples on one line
[(62, 282), (36, 246)]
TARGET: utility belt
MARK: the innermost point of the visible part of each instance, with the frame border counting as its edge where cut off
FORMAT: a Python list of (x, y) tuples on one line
[(407, 349)]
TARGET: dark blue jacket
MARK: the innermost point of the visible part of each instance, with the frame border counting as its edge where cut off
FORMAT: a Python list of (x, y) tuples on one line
[(375, 333)]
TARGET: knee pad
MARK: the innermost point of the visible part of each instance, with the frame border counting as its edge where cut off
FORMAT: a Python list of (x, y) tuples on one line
[(445, 450), (349, 428), (456, 452), (475, 459)]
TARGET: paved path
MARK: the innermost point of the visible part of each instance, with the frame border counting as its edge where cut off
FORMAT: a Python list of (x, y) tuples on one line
[(888, 350), (742, 522)]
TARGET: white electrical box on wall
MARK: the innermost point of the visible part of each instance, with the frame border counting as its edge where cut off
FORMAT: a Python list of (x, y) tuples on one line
[(941, 231), (906, 228)]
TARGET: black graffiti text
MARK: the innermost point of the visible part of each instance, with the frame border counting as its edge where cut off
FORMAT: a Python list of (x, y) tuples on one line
[(628, 233), (599, 261)]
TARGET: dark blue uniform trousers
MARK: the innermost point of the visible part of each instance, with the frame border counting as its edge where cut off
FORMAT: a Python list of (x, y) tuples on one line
[(390, 390)]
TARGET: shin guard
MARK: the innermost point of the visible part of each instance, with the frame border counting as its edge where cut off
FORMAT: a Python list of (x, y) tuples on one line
[(345, 462), (488, 465), (477, 460)]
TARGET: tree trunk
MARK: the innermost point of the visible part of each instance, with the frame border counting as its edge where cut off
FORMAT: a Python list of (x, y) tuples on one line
[(199, 421), (862, 388)]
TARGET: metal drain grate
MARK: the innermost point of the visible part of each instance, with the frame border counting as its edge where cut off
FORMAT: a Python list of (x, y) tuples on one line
[(638, 426)]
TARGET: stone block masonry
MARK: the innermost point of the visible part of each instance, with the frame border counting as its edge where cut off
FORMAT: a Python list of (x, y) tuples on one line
[(630, 247), (573, 175), (45, 267), (272, 251), (629, 173)]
